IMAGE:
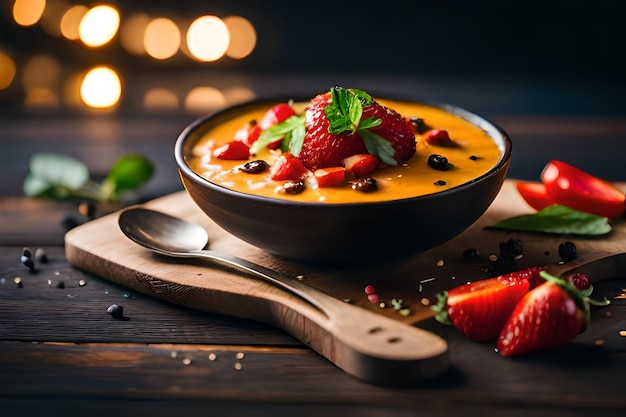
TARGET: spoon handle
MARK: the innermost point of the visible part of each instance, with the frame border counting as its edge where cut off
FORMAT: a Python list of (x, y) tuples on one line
[(370, 346)]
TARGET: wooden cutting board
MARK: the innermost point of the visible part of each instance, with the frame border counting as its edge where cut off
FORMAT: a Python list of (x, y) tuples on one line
[(406, 289)]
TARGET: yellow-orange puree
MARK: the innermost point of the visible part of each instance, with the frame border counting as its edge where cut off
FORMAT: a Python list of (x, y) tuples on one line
[(414, 178)]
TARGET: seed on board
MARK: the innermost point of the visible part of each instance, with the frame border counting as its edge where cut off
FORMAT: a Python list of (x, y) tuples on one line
[(41, 256), (116, 311)]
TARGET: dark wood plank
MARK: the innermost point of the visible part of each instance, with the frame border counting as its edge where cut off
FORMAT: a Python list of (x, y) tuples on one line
[(45, 371), (52, 305)]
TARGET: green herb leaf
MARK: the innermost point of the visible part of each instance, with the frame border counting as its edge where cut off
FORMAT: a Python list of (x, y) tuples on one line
[(129, 172), (379, 146), (557, 219), (280, 130), (54, 175)]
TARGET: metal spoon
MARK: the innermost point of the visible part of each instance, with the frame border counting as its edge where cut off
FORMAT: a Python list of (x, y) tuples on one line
[(368, 345)]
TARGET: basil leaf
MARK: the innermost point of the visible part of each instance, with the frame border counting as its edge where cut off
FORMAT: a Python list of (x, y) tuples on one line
[(378, 146), (557, 219), (51, 174), (128, 173), (277, 131)]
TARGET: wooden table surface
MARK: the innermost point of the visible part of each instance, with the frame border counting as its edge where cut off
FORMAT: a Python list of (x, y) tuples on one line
[(62, 354)]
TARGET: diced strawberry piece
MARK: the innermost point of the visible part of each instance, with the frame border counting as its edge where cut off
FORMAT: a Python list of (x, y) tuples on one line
[(248, 133), (277, 114), (329, 177), (361, 165), (233, 150), (288, 168), (439, 137)]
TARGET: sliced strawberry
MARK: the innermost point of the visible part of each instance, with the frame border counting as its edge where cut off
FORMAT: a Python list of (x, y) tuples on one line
[(248, 133), (329, 177), (439, 137), (361, 165), (288, 168), (277, 114), (479, 309), (233, 150), (534, 193)]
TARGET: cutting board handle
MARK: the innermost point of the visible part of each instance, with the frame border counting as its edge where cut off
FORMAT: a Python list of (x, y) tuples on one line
[(370, 346)]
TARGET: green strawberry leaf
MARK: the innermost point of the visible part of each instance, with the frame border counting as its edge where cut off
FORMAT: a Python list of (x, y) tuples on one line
[(557, 219)]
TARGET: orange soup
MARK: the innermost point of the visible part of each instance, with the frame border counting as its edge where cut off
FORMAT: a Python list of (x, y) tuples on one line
[(475, 154)]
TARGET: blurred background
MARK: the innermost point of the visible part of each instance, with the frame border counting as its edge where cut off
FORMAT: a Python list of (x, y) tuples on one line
[(95, 80)]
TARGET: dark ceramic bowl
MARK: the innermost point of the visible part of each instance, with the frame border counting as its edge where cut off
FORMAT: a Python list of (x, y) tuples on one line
[(316, 232)]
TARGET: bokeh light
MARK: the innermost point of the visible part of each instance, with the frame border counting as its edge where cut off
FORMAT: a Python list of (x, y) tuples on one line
[(208, 38), (161, 38), (203, 100), (101, 88), (132, 33), (99, 25), (41, 71), (242, 37), (70, 21), (160, 99), (28, 12), (51, 18), (7, 70)]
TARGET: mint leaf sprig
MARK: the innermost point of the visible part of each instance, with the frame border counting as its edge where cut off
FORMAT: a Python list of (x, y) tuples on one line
[(344, 115), (292, 130), (61, 177)]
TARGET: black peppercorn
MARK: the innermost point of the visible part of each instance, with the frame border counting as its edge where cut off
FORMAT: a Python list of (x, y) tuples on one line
[(567, 251), (116, 311)]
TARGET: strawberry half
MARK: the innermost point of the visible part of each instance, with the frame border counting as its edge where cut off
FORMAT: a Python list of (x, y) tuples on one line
[(550, 315), (479, 309)]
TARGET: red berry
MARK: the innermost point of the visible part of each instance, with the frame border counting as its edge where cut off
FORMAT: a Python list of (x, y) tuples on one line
[(248, 133), (322, 149), (288, 167), (438, 137), (329, 177), (233, 150), (369, 289), (277, 114), (580, 281), (361, 165)]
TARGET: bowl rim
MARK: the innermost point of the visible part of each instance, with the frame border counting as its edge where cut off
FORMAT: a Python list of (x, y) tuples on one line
[(506, 148)]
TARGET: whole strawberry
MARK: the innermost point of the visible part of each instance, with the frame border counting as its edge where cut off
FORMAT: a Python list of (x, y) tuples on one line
[(550, 315), (346, 122), (321, 149)]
